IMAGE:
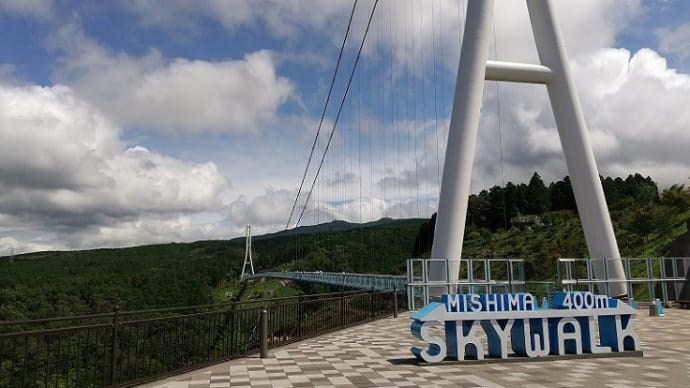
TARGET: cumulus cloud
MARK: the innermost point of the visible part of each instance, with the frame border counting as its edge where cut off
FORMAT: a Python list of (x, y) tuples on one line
[(423, 34), (173, 96), (148, 229), (282, 18), (10, 246), (675, 41), (409, 29), (634, 106), (647, 115), (267, 210), (64, 171), (41, 9)]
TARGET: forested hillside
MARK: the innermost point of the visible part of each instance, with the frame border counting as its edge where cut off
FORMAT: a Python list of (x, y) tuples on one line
[(540, 223), (534, 221)]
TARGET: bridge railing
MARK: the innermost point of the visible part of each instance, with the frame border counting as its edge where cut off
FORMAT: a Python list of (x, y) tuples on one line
[(485, 275), (124, 348), (360, 281), (647, 278)]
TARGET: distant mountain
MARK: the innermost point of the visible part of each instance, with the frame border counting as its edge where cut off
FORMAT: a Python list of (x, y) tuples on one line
[(327, 227)]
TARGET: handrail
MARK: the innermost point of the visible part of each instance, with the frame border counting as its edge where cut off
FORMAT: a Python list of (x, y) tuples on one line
[(378, 282), (652, 271), (116, 351)]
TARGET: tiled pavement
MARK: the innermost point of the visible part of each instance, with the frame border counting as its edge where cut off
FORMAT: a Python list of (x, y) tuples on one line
[(377, 355)]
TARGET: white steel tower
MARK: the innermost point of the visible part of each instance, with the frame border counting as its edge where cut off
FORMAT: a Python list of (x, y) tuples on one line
[(473, 69), (247, 254)]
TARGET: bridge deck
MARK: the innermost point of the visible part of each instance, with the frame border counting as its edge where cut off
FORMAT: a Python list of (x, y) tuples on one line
[(377, 354), (362, 281)]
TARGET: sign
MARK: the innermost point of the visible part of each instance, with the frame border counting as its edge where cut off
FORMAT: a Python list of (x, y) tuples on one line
[(576, 323)]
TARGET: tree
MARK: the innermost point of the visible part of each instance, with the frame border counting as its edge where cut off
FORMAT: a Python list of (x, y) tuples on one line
[(516, 199), (425, 237), (477, 209), (677, 197), (497, 217), (561, 195), (538, 200)]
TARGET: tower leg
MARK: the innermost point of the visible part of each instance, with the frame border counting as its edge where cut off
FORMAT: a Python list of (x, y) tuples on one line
[(462, 139), (577, 148)]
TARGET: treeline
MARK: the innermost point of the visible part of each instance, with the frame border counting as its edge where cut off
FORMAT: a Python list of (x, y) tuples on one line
[(501, 207), (536, 222), (48, 284), (374, 248)]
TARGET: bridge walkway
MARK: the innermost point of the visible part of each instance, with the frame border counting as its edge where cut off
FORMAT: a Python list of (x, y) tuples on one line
[(376, 282)]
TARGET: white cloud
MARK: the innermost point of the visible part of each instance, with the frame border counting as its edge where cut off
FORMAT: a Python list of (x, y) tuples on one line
[(635, 107), (282, 18), (64, 173), (270, 209), (413, 29), (173, 96), (675, 41), (10, 246), (147, 229), (41, 9)]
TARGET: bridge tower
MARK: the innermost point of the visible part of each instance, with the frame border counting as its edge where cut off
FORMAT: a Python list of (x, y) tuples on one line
[(248, 261), (473, 69)]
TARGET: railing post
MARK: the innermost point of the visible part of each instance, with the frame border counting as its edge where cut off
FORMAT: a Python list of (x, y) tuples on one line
[(343, 315), (299, 317), (231, 319), (263, 332), (371, 303), (113, 345), (395, 302), (664, 283)]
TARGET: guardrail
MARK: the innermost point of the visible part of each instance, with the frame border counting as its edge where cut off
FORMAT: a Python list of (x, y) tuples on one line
[(360, 281), (646, 278), (126, 348), (486, 275)]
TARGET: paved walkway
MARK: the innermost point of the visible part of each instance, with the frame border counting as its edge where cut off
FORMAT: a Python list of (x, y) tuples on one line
[(377, 355)]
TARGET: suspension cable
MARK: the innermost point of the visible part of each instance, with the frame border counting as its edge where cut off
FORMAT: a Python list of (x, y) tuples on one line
[(340, 109), (500, 133), (323, 114)]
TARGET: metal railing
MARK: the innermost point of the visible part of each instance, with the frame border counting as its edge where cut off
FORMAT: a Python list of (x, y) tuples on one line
[(125, 348), (646, 278), (475, 275), (360, 281)]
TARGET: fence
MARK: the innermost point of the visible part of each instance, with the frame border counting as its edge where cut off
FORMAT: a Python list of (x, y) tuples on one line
[(647, 278), (475, 275), (125, 348)]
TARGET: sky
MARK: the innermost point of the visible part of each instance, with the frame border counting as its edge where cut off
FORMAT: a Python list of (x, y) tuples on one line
[(148, 121)]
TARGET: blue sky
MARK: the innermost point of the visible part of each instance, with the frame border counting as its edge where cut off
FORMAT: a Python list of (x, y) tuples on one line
[(133, 122)]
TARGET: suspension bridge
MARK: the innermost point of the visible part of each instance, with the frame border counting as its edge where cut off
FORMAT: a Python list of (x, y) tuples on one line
[(389, 143)]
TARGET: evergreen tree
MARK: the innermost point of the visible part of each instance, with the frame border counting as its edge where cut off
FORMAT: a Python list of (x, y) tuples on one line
[(497, 216), (538, 199), (425, 237), (561, 195), (516, 199)]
